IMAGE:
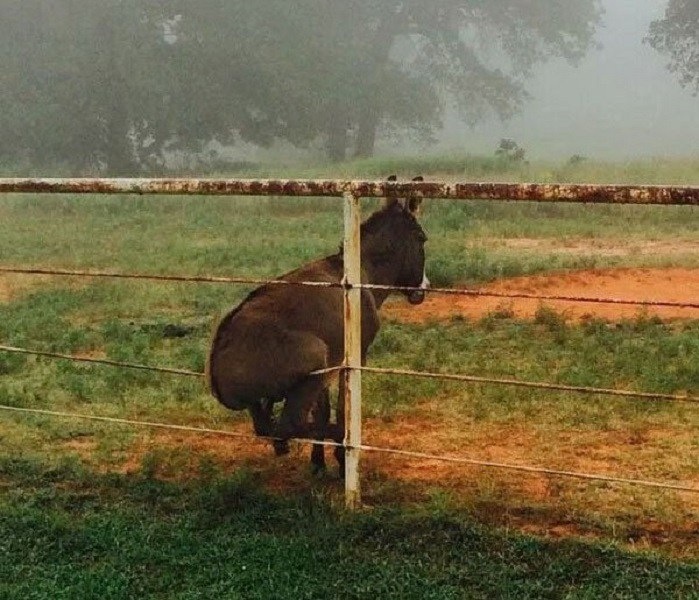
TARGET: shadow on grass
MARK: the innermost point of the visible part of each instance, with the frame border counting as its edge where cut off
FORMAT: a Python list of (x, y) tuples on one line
[(67, 533)]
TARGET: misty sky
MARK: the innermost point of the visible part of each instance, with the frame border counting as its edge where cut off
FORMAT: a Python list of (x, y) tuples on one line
[(620, 102)]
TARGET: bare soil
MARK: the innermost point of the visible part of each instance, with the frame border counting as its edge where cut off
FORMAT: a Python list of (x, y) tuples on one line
[(655, 285), (534, 503), (14, 286)]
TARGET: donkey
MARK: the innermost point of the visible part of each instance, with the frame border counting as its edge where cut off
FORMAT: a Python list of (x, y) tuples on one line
[(265, 349)]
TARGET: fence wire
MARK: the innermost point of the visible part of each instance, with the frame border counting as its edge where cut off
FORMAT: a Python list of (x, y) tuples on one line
[(383, 371), (532, 384), (330, 284), (368, 448), (464, 191)]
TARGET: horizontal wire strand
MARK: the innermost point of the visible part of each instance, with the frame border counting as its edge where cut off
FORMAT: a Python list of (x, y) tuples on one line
[(171, 278), (125, 365), (526, 296), (364, 447), (342, 285), (530, 384), (157, 425), (101, 361), (382, 371), (529, 469)]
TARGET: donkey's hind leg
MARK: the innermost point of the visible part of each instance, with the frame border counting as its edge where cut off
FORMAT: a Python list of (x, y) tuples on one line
[(300, 401), (321, 420), (262, 413)]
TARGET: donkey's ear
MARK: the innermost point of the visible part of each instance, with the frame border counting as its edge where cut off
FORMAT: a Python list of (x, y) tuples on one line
[(415, 200), (391, 200)]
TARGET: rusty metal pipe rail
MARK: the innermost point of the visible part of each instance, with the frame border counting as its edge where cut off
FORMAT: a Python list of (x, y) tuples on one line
[(526, 192)]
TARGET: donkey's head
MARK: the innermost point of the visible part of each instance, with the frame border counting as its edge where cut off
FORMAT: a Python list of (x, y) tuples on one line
[(393, 245)]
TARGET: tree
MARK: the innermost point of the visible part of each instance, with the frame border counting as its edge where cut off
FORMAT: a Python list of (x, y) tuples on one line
[(79, 80), (677, 35), (476, 55), (346, 69), (115, 85)]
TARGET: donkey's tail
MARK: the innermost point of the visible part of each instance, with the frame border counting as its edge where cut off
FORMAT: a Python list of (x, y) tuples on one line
[(208, 374)]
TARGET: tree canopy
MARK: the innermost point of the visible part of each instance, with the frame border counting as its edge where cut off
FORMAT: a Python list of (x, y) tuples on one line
[(677, 35), (77, 85), (114, 85)]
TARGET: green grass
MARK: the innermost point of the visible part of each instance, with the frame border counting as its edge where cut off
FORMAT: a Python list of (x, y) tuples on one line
[(453, 166), (264, 237), (68, 530), (641, 354), (125, 537)]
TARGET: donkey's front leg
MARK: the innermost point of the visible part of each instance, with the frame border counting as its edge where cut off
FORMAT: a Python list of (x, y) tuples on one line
[(321, 421)]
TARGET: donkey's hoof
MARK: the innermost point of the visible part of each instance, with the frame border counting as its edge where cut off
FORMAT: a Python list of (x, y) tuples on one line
[(318, 471), (281, 447)]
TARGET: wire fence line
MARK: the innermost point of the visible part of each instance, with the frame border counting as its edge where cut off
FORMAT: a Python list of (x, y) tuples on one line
[(382, 371), (533, 384), (365, 447), (100, 361), (341, 285), (126, 365), (351, 191)]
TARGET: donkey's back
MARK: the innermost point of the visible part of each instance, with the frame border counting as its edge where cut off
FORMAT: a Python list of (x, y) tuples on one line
[(277, 336)]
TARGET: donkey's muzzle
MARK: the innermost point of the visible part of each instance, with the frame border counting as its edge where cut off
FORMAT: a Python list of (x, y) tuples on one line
[(418, 296)]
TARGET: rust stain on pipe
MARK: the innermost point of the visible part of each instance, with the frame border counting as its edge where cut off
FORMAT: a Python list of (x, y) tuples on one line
[(528, 192)]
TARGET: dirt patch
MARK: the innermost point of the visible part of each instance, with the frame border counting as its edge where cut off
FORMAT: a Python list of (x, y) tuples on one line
[(673, 285), (596, 247), (15, 286), (530, 502)]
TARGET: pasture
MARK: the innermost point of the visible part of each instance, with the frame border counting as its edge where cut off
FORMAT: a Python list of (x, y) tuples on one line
[(94, 509)]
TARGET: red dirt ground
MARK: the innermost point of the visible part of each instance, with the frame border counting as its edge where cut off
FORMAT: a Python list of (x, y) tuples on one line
[(674, 285), (533, 503)]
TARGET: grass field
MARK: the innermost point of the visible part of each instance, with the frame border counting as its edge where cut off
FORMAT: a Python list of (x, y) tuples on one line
[(93, 510), (70, 534)]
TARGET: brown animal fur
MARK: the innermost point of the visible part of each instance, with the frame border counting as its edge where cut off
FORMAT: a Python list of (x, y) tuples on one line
[(263, 350)]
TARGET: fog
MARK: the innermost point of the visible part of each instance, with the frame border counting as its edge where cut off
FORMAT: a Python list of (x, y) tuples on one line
[(620, 102), (135, 86)]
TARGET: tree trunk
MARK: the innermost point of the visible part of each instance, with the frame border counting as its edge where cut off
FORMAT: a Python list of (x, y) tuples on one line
[(366, 134), (337, 134), (118, 150), (372, 109)]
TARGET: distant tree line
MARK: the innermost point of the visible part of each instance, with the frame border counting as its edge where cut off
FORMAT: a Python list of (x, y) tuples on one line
[(114, 85)]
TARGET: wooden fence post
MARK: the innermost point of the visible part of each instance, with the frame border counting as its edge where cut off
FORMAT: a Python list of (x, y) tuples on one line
[(353, 349)]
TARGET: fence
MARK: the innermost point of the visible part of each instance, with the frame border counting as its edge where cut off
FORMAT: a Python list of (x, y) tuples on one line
[(351, 369)]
